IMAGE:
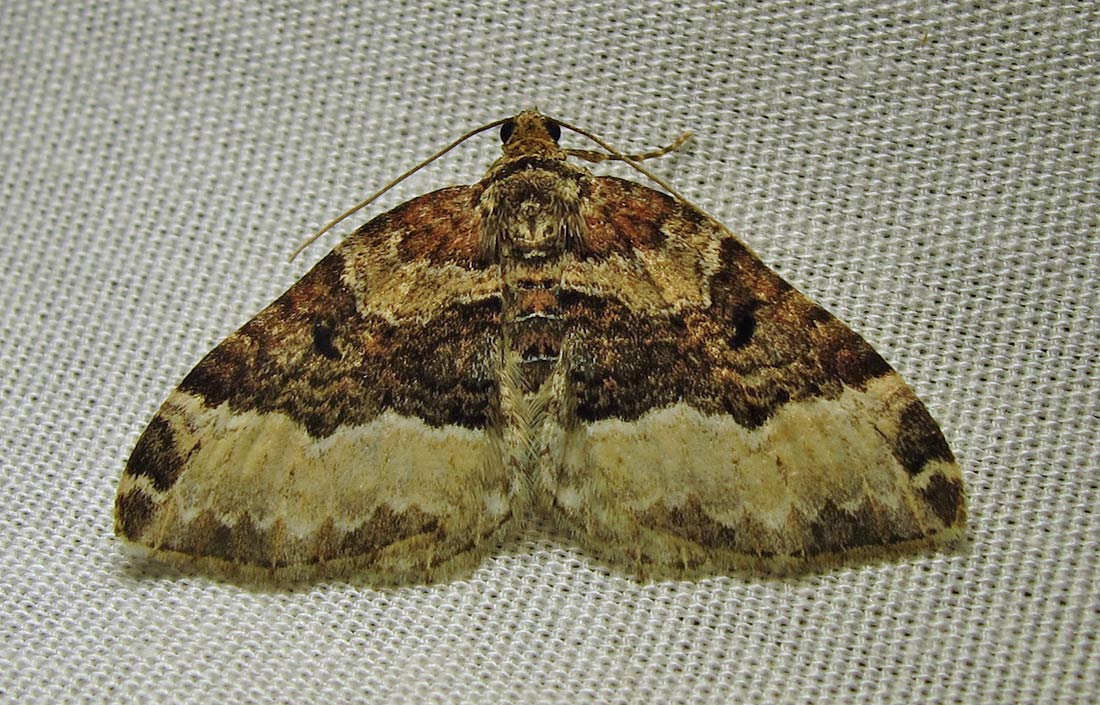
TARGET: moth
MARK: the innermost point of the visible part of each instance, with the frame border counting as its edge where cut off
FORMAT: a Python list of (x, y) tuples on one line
[(548, 346)]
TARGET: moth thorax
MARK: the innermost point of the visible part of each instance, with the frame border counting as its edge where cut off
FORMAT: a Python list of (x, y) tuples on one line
[(533, 213)]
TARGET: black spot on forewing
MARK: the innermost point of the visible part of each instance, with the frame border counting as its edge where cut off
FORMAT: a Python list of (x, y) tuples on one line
[(323, 342), (742, 328)]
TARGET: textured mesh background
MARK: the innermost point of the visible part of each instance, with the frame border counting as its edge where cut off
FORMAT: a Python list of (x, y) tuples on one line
[(928, 171)]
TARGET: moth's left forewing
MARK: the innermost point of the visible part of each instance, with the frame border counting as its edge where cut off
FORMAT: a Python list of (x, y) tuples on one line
[(718, 418), (351, 427)]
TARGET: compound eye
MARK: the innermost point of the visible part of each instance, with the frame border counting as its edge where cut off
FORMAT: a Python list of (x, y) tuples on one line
[(554, 129), (506, 131)]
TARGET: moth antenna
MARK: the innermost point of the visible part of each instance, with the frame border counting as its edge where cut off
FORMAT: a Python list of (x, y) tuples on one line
[(598, 157), (363, 204), (632, 160)]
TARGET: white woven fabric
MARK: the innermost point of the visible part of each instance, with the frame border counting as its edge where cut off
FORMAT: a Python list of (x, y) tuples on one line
[(928, 171)]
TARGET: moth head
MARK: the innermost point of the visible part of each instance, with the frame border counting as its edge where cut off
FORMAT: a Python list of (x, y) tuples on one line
[(530, 132)]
